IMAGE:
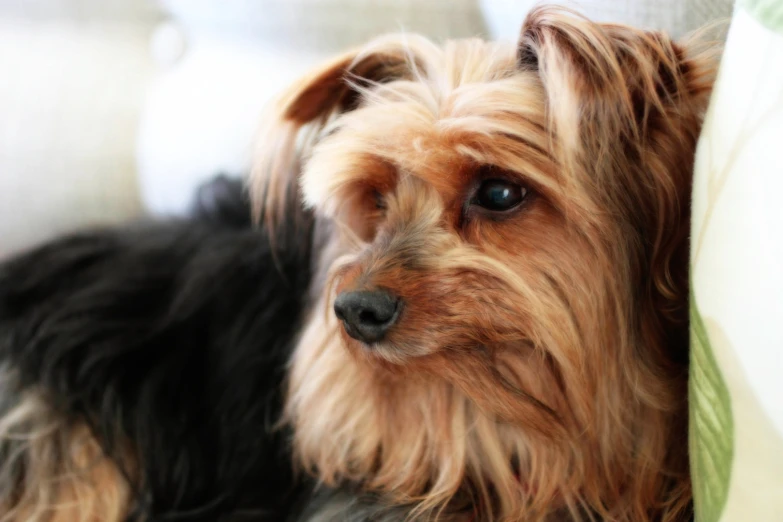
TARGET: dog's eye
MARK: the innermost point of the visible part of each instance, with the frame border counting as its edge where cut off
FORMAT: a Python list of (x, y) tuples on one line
[(380, 201), (499, 195)]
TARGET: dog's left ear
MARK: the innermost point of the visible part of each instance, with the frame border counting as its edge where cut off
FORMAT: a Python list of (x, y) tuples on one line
[(297, 119), (625, 108)]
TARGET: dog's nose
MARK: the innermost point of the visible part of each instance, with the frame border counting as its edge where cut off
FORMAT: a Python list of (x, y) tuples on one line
[(367, 315)]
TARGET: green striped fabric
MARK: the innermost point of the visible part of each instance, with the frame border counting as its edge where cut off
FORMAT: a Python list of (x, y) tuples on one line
[(736, 380)]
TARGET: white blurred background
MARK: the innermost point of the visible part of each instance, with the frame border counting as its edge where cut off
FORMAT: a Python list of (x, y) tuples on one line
[(111, 109)]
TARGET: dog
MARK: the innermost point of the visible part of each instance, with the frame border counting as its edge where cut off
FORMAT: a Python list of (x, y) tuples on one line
[(500, 324), (142, 369)]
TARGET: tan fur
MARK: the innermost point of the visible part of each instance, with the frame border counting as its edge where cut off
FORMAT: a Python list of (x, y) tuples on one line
[(61, 474), (539, 367)]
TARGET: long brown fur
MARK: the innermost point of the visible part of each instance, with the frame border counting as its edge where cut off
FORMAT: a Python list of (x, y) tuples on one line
[(539, 368), (59, 471)]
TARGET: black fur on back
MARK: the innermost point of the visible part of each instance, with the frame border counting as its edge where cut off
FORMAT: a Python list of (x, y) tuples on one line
[(173, 335)]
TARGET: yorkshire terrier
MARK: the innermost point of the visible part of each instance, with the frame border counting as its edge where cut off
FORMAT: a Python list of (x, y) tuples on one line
[(500, 328), (141, 369)]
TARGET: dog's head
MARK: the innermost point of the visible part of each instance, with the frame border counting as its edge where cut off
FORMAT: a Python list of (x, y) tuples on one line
[(507, 306)]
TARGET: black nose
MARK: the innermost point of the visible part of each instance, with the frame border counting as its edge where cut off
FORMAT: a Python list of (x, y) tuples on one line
[(367, 316)]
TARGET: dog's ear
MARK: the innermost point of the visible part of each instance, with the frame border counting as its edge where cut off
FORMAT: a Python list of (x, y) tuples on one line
[(610, 76), (625, 108), (300, 115)]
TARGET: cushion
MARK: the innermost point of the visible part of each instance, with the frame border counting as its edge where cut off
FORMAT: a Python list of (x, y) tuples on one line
[(736, 389)]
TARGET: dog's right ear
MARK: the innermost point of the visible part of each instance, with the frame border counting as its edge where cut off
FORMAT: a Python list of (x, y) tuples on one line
[(300, 115)]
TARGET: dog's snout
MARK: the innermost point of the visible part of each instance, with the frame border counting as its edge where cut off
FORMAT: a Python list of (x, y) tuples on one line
[(367, 315)]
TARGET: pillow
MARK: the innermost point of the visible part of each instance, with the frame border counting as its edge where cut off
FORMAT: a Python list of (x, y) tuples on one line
[(736, 381)]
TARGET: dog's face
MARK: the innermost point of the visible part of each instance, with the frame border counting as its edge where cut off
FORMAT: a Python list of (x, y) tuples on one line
[(505, 306)]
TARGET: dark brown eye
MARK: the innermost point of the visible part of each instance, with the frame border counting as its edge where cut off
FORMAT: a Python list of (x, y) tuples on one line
[(380, 201), (499, 195)]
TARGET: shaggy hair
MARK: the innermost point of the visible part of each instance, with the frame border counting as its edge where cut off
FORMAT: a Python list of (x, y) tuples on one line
[(142, 369), (538, 369)]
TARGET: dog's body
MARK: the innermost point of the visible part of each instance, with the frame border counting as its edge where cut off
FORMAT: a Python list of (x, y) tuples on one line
[(496, 323), (503, 334), (143, 369)]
